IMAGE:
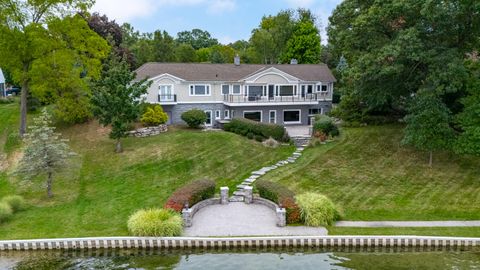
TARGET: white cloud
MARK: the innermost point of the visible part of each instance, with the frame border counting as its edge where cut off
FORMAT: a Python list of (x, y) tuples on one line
[(126, 10), (226, 39), (220, 6)]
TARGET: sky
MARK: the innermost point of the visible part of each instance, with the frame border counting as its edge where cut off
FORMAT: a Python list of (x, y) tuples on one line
[(226, 20)]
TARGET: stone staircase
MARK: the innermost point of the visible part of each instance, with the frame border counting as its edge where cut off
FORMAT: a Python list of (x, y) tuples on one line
[(301, 141), (239, 193)]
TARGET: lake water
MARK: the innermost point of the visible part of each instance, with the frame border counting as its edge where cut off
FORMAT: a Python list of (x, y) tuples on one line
[(246, 259)]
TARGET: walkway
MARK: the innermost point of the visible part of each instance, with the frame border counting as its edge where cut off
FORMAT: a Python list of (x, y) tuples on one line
[(377, 224), (240, 219)]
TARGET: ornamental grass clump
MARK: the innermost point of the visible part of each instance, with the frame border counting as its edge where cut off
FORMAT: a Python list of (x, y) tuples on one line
[(5, 211), (155, 222), (16, 202), (317, 210)]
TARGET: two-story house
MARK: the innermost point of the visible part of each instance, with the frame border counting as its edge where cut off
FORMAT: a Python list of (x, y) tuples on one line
[(283, 94)]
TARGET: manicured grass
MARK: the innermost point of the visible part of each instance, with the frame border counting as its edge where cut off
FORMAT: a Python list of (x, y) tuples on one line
[(102, 189), (369, 175), (437, 231)]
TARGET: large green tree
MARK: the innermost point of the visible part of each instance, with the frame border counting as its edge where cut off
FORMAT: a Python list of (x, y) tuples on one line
[(45, 152), (163, 47), (117, 97), (25, 38), (304, 45), (197, 38), (185, 53)]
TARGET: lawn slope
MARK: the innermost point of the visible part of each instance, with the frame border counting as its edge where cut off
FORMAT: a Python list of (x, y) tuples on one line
[(96, 196), (371, 176)]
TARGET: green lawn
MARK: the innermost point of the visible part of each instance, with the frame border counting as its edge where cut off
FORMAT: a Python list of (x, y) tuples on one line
[(372, 177), (102, 189)]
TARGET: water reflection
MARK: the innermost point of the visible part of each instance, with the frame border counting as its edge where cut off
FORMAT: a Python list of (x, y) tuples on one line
[(332, 258)]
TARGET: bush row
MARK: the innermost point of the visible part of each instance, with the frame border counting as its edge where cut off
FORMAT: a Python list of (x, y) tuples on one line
[(191, 193), (256, 130), (282, 196), (10, 205)]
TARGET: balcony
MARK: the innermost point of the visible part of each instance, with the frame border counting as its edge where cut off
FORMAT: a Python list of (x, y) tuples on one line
[(167, 99), (313, 98)]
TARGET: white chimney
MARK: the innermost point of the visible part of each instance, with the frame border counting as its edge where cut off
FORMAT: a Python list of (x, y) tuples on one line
[(293, 61), (236, 60)]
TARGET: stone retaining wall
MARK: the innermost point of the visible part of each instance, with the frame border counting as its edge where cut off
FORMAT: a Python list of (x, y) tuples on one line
[(239, 242), (148, 131)]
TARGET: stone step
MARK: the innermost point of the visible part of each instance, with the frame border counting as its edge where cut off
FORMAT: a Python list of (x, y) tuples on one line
[(249, 180), (238, 193), (247, 184), (241, 186), (236, 199)]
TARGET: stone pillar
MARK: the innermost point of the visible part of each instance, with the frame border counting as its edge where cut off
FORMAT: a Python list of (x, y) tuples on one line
[(187, 217), (224, 195), (248, 194), (281, 217)]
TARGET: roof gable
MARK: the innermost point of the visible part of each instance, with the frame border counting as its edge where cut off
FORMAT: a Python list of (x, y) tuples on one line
[(270, 71)]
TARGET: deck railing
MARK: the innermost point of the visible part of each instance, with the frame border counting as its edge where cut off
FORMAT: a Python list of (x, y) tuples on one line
[(167, 98), (266, 99)]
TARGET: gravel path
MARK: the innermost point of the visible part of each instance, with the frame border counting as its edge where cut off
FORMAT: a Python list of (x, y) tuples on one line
[(240, 219), (376, 224)]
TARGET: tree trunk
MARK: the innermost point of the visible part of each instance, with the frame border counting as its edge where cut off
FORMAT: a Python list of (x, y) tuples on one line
[(49, 185), (118, 146), (430, 161), (23, 103)]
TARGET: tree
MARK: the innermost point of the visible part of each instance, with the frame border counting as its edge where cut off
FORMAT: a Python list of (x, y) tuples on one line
[(24, 38), (469, 119), (428, 124), (117, 97), (163, 47), (45, 152), (342, 65), (61, 76), (197, 38), (185, 53), (304, 45)]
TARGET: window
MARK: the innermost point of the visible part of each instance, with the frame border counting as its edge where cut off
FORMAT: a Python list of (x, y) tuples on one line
[(165, 92), (217, 114), (232, 114), (236, 89), (291, 117), (253, 115), (226, 114), (199, 90), (209, 118), (309, 89), (272, 117), (313, 111), (225, 89), (286, 90), (324, 88)]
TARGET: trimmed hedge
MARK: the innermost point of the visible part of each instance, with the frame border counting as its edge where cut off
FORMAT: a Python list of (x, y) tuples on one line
[(192, 193), (256, 130), (282, 196), (16, 202), (317, 209), (155, 222), (5, 211), (194, 118)]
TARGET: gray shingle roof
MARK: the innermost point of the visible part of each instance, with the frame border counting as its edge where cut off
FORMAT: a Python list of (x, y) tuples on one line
[(230, 72)]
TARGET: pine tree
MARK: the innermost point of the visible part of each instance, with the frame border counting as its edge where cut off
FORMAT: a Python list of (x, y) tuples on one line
[(45, 151), (342, 64)]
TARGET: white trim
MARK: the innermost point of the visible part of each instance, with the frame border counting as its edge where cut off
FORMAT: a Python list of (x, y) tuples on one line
[(247, 104), (158, 77), (201, 102), (270, 71), (200, 84), (226, 114), (219, 114), (293, 110), (269, 116), (254, 111), (211, 118)]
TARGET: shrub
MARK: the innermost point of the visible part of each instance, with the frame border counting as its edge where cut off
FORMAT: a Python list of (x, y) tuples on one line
[(6, 100), (271, 142), (155, 222), (5, 211), (244, 127), (194, 118), (317, 210), (154, 116), (17, 203), (250, 135), (259, 138), (325, 125), (282, 196), (191, 193)]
